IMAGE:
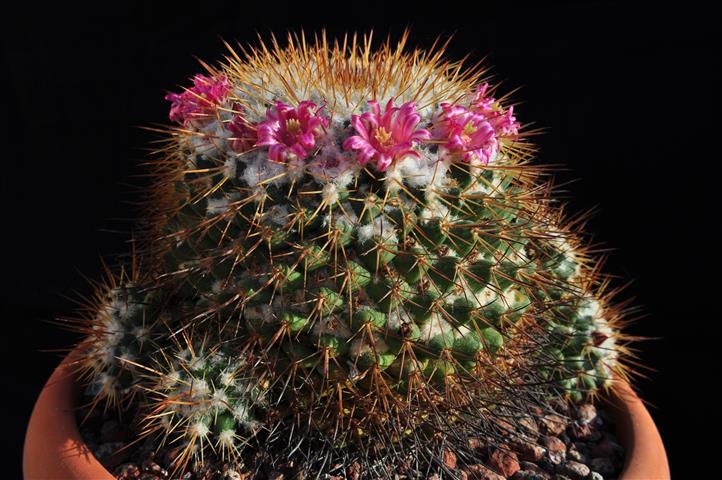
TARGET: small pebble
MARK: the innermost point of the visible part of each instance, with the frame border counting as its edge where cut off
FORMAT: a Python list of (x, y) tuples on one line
[(575, 470), (529, 451), (582, 447), (127, 471), (449, 459), (151, 467), (560, 405), (529, 466), (553, 424), (353, 472), (505, 428), (232, 475), (530, 475), (150, 476), (573, 453), (529, 428), (546, 464), (504, 461), (480, 472), (476, 444), (587, 413), (556, 449), (603, 465)]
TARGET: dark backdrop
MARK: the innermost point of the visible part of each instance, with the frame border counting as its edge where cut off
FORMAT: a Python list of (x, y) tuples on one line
[(625, 94)]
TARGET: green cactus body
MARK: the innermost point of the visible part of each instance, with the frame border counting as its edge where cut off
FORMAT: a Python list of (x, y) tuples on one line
[(374, 269)]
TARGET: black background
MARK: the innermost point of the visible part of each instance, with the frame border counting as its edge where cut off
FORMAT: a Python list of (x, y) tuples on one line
[(626, 94)]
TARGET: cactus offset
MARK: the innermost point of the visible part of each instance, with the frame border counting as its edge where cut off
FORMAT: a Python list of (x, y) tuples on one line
[(354, 250)]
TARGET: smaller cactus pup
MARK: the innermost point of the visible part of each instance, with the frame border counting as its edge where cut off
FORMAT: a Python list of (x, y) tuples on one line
[(351, 262)]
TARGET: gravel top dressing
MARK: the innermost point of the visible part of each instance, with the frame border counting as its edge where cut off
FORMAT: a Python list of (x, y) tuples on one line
[(575, 443)]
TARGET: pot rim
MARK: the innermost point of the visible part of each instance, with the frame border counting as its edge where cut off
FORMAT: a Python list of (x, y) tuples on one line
[(53, 445), (53, 436)]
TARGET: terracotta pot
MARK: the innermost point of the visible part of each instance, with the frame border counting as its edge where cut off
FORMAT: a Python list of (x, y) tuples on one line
[(643, 447), (55, 450)]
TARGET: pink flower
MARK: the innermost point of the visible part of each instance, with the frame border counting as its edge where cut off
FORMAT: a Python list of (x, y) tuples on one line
[(482, 103), (504, 123), (476, 131), (289, 131), (198, 101), (244, 134), (467, 132), (384, 138)]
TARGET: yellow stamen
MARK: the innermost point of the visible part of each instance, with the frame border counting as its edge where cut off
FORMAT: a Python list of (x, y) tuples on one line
[(293, 126), (383, 137), (468, 131)]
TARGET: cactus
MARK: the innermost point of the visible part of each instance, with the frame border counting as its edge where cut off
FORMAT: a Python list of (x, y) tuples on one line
[(352, 258), (120, 324)]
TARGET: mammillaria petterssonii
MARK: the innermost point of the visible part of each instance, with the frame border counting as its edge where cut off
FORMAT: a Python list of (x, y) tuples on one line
[(349, 257)]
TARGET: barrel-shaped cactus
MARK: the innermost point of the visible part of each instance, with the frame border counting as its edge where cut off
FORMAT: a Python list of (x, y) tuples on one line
[(355, 249)]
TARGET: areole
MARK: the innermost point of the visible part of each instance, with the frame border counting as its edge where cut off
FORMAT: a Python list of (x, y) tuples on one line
[(55, 449)]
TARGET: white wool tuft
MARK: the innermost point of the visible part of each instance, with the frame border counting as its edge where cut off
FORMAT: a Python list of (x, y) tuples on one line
[(260, 312), (394, 177), (347, 176), (219, 399), (230, 167), (170, 380), (227, 439), (396, 317), (487, 296), (362, 345), (196, 363), (141, 332), (217, 286), (435, 208), (200, 388), (380, 228), (103, 383), (242, 412), (202, 144), (425, 170), (295, 168), (434, 325), (331, 326), (228, 378), (590, 307), (358, 347), (199, 429), (216, 206), (261, 170), (277, 214), (512, 297), (330, 193)]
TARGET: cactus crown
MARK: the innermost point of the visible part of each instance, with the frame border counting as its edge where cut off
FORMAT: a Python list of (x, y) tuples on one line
[(349, 248)]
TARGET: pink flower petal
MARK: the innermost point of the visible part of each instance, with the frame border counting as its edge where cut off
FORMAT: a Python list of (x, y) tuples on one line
[(291, 131), (384, 138), (200, 100)]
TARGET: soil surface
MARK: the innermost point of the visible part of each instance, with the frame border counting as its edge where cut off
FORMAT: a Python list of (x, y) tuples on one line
[(575, 443)]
